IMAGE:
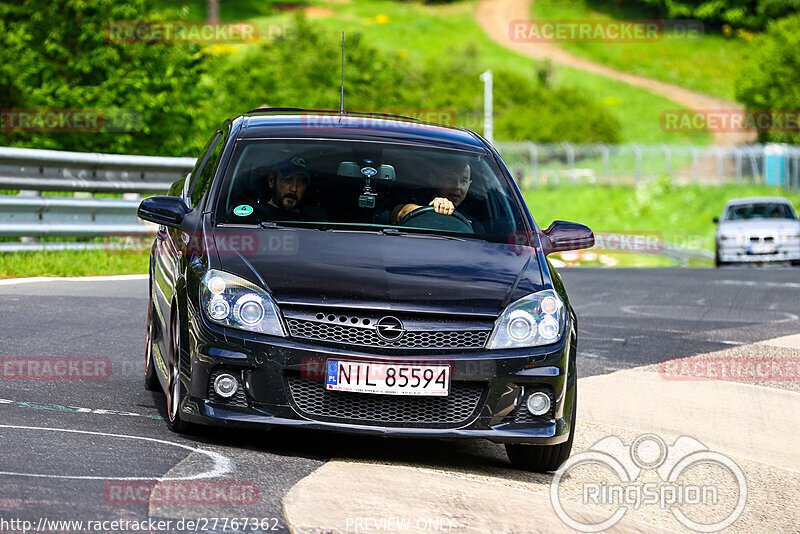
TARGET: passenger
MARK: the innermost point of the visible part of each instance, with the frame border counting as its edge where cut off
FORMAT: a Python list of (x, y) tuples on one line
[(450, 184), (289, 180)]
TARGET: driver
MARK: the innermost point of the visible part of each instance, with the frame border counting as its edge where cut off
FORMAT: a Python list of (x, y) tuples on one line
[(450, 184), (288, 181)]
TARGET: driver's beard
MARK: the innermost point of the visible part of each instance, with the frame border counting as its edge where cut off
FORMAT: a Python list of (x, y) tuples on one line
[(280, 201)]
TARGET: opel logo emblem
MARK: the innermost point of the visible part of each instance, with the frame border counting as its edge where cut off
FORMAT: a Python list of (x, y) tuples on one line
[(389, 328)]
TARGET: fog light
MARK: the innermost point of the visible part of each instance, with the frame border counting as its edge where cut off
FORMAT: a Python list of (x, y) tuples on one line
[(538, 403), (225, 385)]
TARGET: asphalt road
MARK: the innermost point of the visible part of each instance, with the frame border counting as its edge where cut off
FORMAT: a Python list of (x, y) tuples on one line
[(62, 441)]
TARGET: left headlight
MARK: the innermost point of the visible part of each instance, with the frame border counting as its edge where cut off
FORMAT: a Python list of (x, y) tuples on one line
[(231, 301), (537, 319)]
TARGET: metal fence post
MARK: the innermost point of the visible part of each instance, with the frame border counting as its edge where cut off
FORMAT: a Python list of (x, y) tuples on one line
[(606, 161), (638, 152), (720, 164), (695, 163), (568, 148), (667, 158), (737, 154), (533, 152)]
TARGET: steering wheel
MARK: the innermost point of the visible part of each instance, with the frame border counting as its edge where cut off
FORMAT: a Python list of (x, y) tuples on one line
[(426, 217)]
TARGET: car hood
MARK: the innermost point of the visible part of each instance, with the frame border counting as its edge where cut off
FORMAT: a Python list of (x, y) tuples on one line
[(371, 270), (758, 226)]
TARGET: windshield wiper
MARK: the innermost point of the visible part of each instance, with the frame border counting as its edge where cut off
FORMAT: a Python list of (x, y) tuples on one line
[(395, 231)]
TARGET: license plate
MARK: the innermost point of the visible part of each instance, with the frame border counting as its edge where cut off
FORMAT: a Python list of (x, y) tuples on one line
[(387, 378), (761, 249)]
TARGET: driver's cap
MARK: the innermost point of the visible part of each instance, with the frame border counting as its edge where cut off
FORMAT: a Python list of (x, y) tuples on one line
[(292, 166)]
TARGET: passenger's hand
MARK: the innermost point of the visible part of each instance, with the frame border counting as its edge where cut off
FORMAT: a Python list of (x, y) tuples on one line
[(442, 205)]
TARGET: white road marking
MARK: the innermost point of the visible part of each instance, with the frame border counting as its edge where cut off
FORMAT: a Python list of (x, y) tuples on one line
[(222, 464), (111, 278), (757, 283), (635, 310)]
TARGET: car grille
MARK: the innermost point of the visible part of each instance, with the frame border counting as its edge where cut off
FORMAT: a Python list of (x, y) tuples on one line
[(239, 399), (354, 335), (310, 399)]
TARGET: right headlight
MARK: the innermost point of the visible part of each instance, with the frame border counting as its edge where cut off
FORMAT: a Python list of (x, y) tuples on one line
[(536, 319), (232, 301)]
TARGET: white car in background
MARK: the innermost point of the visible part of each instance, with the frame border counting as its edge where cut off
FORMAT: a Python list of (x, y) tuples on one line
[(758, 229)]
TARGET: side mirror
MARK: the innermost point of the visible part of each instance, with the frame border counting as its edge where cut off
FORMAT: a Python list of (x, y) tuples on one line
[(715, 220), (563, 235), (168, 211)]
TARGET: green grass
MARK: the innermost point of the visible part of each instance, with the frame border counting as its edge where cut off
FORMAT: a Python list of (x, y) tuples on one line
[(427, 32), (71, 263), (237, 10), (709, 64), (679, 214)]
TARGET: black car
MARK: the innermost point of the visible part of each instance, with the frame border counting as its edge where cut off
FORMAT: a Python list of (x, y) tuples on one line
[(364, 274)]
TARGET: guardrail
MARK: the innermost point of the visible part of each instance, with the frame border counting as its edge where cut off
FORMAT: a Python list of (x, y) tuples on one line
[(30, 216)]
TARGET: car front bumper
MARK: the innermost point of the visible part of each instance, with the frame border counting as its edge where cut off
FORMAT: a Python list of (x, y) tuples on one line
[(742, 253), (266, 365)]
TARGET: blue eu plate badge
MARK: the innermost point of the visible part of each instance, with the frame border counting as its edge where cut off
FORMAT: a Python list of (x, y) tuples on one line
[(332, 375)]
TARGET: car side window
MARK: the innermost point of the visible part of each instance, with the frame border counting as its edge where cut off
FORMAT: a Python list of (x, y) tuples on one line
[(204, 171)]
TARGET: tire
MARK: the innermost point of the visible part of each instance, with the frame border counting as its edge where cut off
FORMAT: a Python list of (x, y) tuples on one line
[(151, 382), (543, 458), (175, 390), (717, 262)]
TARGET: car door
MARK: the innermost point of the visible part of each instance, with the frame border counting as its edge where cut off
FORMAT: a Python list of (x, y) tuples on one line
[(169, 249)]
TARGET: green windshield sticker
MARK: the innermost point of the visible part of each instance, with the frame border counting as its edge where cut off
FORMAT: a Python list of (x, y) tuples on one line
[(243, 211)]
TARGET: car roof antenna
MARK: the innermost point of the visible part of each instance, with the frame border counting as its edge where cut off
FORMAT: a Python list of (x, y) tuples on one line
[(341, 102)]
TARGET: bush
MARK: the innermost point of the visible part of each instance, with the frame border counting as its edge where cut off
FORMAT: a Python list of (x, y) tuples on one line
[(56, 55), (751, 14), (768, 80), (302, 69)]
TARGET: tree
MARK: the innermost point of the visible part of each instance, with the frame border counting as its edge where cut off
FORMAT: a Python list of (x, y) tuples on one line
[(768, 80), (751, 14), (212, 11), (60, 55)]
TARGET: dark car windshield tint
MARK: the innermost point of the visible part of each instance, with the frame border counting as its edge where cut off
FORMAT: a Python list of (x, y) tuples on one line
[(367, 186), (760, 210)]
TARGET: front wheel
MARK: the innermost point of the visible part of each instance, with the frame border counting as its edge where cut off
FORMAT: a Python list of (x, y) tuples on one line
[(175, 387), (717, 261), (150, 377), (543, 458)]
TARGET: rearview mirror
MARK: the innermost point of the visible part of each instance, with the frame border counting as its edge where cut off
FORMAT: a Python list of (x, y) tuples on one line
[(561, 236), (715, 220), (168, 211), (350, 169)]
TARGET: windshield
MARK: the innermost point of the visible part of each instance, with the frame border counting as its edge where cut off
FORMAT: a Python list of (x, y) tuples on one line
[(334, 184), (760, 210)]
